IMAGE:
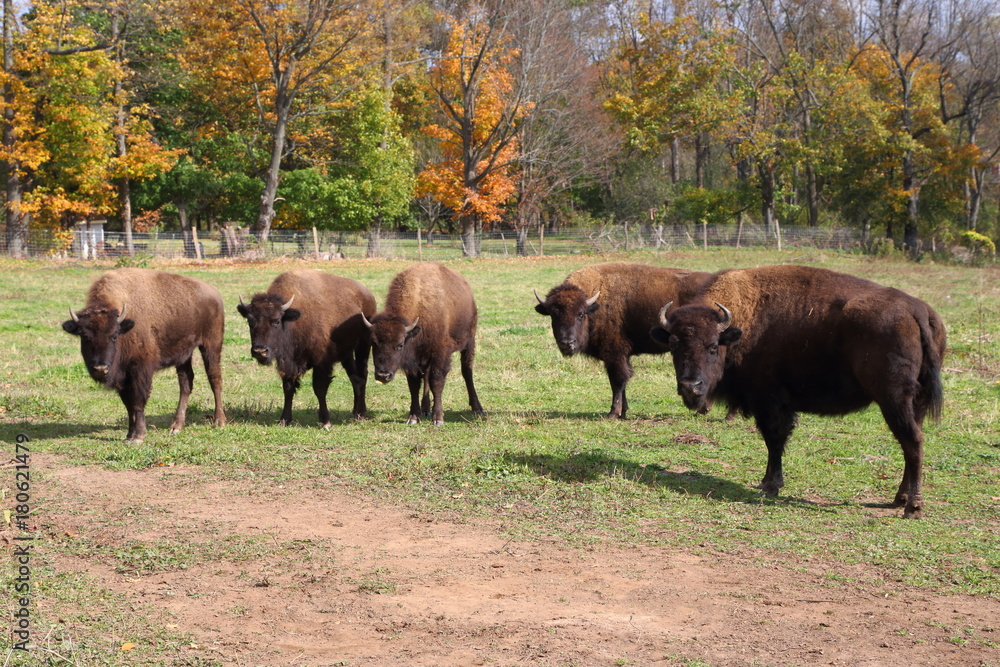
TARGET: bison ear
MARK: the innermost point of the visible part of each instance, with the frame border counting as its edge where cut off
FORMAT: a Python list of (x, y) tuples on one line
[(242, 309), (125, 326), (592, 307), (291, 315), (660, 336), (71, 326), (730, 336), (412, 332), (542, 309)]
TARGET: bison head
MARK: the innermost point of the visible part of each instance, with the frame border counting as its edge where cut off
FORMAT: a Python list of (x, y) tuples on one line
[(390, 337), (698, 338), (99, 329), (569, 307), (267, 314)]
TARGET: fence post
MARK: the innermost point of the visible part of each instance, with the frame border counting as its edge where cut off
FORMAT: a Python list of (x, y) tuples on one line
[(316, 242), (541, 240), (420, 245), (777, 232), (704, 234), (197, 246)]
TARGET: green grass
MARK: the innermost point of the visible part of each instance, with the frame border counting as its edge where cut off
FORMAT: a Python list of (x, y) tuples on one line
[(544, 462)]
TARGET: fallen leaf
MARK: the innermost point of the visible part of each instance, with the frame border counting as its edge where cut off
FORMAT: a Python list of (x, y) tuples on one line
[(128, 646)]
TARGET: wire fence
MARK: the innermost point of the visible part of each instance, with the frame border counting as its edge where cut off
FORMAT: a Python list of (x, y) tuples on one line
[(94, 242)]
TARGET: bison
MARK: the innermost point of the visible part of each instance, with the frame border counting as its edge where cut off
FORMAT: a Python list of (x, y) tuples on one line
[(776, 341), (605, 311), (429, 314), (325, 327), (138, 321)]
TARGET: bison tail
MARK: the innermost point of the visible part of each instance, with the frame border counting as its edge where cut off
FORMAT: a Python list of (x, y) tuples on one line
[(932, 339)]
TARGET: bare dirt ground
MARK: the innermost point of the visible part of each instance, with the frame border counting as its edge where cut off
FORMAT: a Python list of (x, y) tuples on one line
[(335, 578)]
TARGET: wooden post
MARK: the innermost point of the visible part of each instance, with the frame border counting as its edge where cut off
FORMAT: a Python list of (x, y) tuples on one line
[(777, 232), (316, 242), (420, 245), (504, 239), (704, 234), (739, 231), (197, 246), (541, 240)]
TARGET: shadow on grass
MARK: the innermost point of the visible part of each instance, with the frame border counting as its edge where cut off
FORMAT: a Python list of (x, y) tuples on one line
[(594, 465)]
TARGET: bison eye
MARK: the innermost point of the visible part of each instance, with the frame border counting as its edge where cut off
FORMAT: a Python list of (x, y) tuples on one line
[(713, 348), (399, 347)]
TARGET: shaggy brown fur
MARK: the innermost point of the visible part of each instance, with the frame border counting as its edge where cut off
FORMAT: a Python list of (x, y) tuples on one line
[(138, 321), (322, 326), (616, 326), (804, 339), (442, 301)]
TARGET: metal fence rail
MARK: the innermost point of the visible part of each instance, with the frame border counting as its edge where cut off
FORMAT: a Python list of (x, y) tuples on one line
[(414, 245)]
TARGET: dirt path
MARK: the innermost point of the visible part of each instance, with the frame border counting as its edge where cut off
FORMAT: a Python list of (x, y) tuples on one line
[(320, 575)]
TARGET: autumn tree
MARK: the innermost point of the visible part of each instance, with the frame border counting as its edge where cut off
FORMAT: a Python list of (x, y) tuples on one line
[(285, 62), (479, 107)]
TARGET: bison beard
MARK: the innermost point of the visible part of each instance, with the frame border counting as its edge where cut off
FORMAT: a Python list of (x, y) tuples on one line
[(132, 327), (798, 339)]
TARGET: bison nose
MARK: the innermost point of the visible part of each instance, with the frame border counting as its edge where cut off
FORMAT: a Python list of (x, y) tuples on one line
[(693, 387), (567, 346), (259, 352), (383, 377), (101, 368)]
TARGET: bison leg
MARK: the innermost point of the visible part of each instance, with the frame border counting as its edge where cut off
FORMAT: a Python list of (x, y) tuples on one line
[(414, 381), (619, 373), (904, 425), (435, 378), (212, 356), (357, 372), (289, 385), (135, 399), (468, 355), (185, 378), (776, 425), (425, 402), (321, 385)]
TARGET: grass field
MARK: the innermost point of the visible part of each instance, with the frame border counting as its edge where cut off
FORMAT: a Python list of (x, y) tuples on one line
[(544, 461)]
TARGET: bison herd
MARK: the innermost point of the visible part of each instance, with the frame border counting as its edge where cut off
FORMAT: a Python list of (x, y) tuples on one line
[(769, 342)]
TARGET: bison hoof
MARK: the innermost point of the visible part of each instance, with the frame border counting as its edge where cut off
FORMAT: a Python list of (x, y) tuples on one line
[(770, 489), (438, 423), (326, 427), (913, 512), (413, 419)]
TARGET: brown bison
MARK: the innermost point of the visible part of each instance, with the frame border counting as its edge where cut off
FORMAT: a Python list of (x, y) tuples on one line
[(429, 315), (138, 321), (325, 327), (776, 341), (605, 311)]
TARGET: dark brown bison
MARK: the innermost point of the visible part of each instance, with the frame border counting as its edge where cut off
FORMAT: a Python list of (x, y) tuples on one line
[(429, 315), (776, 341), (325, 327), (138, 321), (605, 311)]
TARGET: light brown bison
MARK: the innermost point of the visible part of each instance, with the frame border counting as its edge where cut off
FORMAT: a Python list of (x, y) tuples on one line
[(138, 321), (776, 341), (324, 327), (429, 315), (606, 310)]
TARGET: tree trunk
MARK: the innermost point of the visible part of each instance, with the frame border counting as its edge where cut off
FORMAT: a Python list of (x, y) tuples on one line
[(974, 198), (189, 250), (16, 236), (767, 197), (262, 227), (522, 240), (701, 158), (124, 186), (469, 237), (675, 160), (375, 239), (912, 204)]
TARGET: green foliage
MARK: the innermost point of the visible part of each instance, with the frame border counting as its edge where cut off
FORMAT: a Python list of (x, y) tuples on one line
[(714, 206), (978, 243)]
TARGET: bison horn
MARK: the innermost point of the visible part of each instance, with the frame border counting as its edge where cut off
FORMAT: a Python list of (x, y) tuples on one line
[(365, 320), (73, 315), (593, 299), (287, 304), (729, 317), (540, 300), (241, 301), (122, 316), (663, 315), (410, 328)]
